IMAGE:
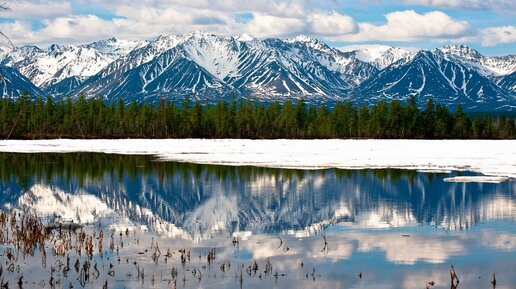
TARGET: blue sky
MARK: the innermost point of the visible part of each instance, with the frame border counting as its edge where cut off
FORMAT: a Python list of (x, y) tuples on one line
[(487, 25)]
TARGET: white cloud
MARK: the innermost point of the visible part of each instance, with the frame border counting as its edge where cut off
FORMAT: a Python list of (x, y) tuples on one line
[(498, 35), (179, 16), (18, 32), (505, 6), (402, 250), (263, 25), (316, 24), (38, 9), (331, 24), (287, 8), (61, 22), (409, 25)]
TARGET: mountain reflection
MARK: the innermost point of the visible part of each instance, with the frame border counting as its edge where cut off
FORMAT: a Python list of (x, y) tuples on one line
[(200, 201)]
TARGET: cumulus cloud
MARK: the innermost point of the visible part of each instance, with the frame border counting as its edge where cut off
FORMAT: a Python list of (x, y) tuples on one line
[(506, 6), (263, 25), (17, 31), (172, 15), (409, 25), (498, 35), (317, 23), (331, 24), (36, 9), (43, 22), (287, 8)]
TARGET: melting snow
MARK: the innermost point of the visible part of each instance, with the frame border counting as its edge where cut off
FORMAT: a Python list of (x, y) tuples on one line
[(477, 179), (491, 157)]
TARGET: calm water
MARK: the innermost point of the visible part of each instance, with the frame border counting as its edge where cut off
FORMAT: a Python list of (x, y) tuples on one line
[(394, 228)]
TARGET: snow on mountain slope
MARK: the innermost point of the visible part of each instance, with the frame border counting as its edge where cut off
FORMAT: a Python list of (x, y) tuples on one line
[(13, 84), (380, 56), (45, 201), (391, 56), (218, 55), (276, 69), (433, 75), (351, 69), (500, 65), (115, 48), (170, 74), (65, 86), (508, 82), (266, 69), (200, 65), (489, 66), (47, 67), (140, 56), (370, 53)]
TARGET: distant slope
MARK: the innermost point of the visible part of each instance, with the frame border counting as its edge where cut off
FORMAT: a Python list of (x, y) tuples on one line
[(508, 82), (170, 74), (431, 75), (13, 84), (209, 67), (65, 86)]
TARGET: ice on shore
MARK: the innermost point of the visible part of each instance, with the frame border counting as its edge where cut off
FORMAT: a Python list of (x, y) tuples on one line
[(490, 157), (477, 179)]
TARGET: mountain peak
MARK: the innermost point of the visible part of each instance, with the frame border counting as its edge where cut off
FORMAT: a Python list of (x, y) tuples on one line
[(460, 50), (103, 42), (302, 39), (163, 36), (204, 65), (245, 38), (308, 41), (54, 47), (380, 56), (199, 33)]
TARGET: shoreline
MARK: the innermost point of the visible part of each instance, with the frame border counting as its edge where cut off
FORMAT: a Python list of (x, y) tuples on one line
[(489, 157)]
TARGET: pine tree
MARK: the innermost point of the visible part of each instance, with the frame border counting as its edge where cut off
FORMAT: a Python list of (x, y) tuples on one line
[(462, 123), (428, 119)]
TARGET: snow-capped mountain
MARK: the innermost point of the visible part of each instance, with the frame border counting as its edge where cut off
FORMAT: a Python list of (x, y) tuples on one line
[(13, 84), (47, 67), (66, 85), (351, 68), (274, 69), (208, 202), (434, 75), (508, 82), (201, 65), (208, 67), (381, 56), (115, 48), (172, 74), (489, 66)]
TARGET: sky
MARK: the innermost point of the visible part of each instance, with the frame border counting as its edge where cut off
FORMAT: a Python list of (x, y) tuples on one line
[(486, 25)]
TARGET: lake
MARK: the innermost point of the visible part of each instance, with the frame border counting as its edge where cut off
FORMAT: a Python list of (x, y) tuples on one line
[(180, 225)]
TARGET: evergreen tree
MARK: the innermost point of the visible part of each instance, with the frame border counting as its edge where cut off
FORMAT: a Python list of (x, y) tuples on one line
[(462, 124), (428, 119), (91, 117)]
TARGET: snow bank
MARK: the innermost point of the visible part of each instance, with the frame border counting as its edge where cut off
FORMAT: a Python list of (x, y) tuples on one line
[(477, 179), (490, 157)]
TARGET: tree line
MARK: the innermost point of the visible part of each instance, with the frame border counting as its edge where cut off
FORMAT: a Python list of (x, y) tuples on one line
[(24, 118), (80, 168)]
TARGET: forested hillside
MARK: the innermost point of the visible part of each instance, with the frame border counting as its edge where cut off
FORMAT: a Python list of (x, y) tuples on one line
[(93, 118)]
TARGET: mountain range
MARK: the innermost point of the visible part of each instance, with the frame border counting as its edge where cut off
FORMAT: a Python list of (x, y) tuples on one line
[(201, 207), (207, 67)]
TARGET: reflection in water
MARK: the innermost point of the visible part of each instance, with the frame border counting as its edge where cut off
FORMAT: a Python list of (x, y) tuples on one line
[(406, 225), (204, 200)]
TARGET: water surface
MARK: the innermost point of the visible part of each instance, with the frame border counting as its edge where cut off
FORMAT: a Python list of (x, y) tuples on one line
[(318, 228)]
